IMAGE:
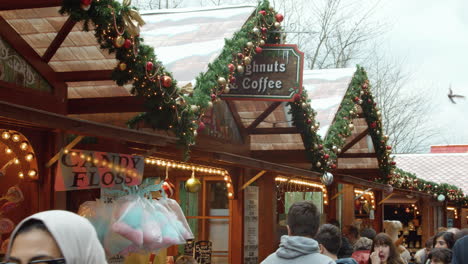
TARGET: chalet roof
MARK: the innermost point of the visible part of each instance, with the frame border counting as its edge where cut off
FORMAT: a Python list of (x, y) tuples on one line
[(451, 168)]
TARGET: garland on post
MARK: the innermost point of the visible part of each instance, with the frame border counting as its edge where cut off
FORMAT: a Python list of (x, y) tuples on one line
[(167, 107)]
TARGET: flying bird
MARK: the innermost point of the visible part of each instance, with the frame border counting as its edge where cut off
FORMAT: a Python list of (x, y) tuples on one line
[(451, 95)]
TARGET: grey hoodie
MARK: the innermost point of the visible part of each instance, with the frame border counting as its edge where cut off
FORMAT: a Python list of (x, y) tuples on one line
[(298, 249)]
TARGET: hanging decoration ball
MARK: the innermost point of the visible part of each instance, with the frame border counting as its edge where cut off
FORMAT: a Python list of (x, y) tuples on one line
[(201, 127), (262, 43), (379, 113), (210, 105), (85, 4), (249, 45), (277, 24), (192, 185), (166, 81), (119, 41), (232, 79), (318, 164), (385, 137), (304, 105), (240, 55), (149, 66), (258, 50), (262, 12), (373, 125), (393, 163), (127, 43), (297, 97), (389, 147), (231, 67), (327, 178), (222, 81), (122, 66), (388, 189), (247, 60), (360, 101), (256, 30), (168, 188), (279, 18), (320, 146), (351, 126), (226, 89), (213, 97), (338, 151), (240, 69), (264, 30), (441, 198), (333, 166), (180, 101), (195, 133), (194, 108), (309, 121), (326, 156), (334, 148)]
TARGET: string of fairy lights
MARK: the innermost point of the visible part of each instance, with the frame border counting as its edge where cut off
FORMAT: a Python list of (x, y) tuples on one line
[(20, 152), (300, 184)]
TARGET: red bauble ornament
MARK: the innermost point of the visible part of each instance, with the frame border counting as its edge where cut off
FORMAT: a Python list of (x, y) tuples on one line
[(369, 101), (393, 163), (320, 146), (279, 18), (258, 50), (326, 156), (166, 81), (201, 127), (333, 166), (262, 12), (213, 97), (240, 55), (149, 66), (356, 99), (231, 67), (297, 97), (168, 188), (309, 121), (264, 30), (365, 86), (127, 43), (232, 79), (86, 2), (373, 124), (389, 147)]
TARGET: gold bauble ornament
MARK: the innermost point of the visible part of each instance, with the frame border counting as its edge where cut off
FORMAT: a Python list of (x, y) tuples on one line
[(240, 69), (194, 108), (122, 66), (318, 165), (210, 105), (193, 184), (256, 30), (338, 151), (379, 113), (195, 133), (250, 45), (351, 126), (119, 41), (304, 105), (247, 60), (277, 24), (262, 42), (226, 89), (221, 81)]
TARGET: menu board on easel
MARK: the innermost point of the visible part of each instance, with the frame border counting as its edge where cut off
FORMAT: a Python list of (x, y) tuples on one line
[(203, 250), (251, 225), (188, 247)]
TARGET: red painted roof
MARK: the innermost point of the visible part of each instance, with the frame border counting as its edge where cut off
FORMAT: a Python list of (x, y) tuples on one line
[(449, 149), (451, 168)]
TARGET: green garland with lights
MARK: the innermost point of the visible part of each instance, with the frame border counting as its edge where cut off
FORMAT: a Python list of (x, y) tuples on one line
[(323, 154), (166, 106)]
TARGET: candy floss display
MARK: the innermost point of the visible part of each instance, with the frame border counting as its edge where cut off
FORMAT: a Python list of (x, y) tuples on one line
[(135, 221)]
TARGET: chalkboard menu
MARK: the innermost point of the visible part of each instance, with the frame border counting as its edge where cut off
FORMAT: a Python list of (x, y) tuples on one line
[(188, 248), (203, 251)]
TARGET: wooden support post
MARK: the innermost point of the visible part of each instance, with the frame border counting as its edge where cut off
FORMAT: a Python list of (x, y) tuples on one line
[(68, 147), (260, 174), (384, 199), (267, 239)]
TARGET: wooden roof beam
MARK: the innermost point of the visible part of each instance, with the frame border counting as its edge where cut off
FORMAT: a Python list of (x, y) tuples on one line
[(85, 76), (58, 40), (262, 116), (235, 114), (99, 105), (274, 130), (281, 156), (28, 4), (355, 140)]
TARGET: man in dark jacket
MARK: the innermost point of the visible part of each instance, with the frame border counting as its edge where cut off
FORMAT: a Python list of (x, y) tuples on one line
[(460, 252), (346, 250), (328, 238)]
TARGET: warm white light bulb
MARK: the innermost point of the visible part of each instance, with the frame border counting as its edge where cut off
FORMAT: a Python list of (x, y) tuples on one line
[(6, 135), (8, 151), (15, 138), (24, 146), (29, 157)]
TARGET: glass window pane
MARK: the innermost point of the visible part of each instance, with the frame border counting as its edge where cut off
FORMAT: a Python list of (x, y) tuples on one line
[(188, 201)]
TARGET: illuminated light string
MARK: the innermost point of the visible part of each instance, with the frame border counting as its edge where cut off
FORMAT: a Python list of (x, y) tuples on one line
[(305, 183), (29, 157), (455, 211), (194, 167), (101, 162), (358, 192)]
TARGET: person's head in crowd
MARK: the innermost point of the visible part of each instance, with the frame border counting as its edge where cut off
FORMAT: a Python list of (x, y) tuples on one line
[(442, 229), (461, 233), (429, 244), (369, 233), (460, 252), (453, 230), (303, 219), (440, 256), (55, 235), (443, 240), (363, 243), (329, 239), (351, 233), (335, 223), (383, 251), (185, 260)]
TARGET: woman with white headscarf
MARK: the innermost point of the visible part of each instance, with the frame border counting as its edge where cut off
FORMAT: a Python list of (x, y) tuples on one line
[(55, 237)]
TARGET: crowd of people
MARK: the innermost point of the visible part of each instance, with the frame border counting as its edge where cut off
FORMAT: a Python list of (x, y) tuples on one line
[(308, 242), (61, 237)]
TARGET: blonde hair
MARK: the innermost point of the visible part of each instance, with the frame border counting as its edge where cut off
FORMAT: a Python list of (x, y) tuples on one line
[(186, 260)]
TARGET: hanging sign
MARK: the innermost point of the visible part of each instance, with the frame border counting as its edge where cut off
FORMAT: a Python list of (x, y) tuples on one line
[(81, 169), (203, 250), (275, 74)]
